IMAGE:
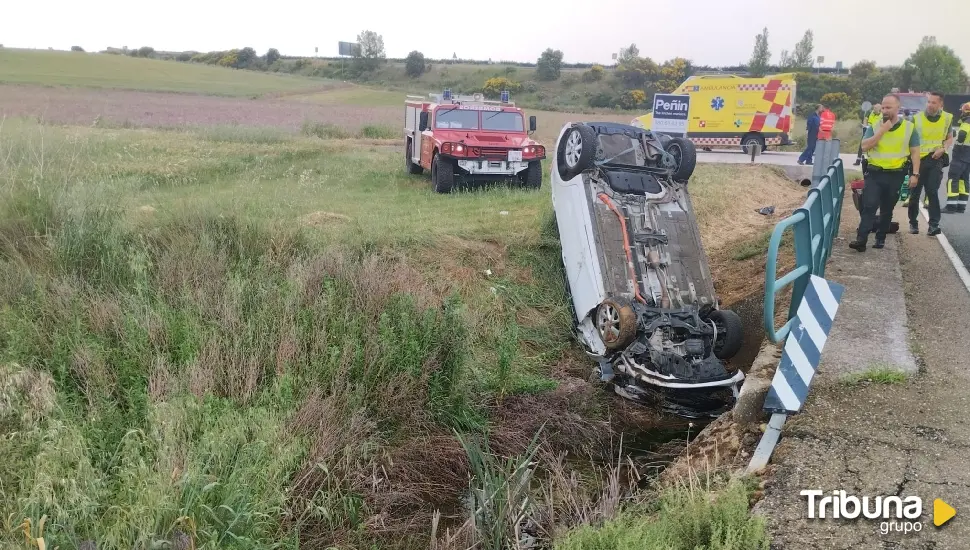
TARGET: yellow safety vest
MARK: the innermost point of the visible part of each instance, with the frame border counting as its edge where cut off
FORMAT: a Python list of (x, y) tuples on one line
[(874, 119), (893, 148), (932, 134)]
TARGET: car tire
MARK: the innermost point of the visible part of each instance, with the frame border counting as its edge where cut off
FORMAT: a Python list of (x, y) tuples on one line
[(616, 323), (686, 154), (730, 333), (531, 177), (442, 174), (752, 140), (412, 168), (580, 141)]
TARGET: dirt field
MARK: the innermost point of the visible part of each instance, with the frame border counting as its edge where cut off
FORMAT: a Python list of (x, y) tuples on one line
[(113, 108)]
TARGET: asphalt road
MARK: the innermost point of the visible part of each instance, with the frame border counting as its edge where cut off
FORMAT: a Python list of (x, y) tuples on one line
[(778, 158), (956, 227)]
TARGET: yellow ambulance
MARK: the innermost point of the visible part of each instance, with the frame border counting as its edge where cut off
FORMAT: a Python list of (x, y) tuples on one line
[(731, 110)]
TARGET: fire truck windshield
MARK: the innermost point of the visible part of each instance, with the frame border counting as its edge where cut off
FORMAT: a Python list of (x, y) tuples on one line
[(505, 121), (456, 119)]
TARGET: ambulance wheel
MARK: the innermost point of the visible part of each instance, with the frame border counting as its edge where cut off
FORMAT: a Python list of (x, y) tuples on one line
[(616, 323), (730, 332), (576, 151), (442, 174), (685, 156), (531, 177), (412, 168), (751, 141)]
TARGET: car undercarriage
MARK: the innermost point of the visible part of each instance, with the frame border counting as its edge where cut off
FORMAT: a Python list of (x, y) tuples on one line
[(642, 291)]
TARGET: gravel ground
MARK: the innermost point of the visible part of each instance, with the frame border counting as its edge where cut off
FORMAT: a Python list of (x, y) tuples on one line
[(908, 439)]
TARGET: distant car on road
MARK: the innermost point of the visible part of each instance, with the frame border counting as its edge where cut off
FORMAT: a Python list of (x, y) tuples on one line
[(641, 289)]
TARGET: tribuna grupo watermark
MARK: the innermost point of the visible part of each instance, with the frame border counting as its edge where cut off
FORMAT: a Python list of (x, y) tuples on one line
[(898, 514)]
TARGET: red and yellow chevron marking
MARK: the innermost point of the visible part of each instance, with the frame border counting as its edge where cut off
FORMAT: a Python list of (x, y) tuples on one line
[(776, 117)]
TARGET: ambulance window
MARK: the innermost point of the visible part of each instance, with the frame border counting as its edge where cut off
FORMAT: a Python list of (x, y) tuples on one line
[(456, 119), (502, 121)]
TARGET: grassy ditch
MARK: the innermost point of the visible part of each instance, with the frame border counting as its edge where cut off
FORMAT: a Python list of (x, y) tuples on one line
[(246, 339)]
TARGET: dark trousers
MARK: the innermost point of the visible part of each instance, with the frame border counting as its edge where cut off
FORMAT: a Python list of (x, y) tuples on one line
[(930, 179), (809, 151), (880, 192)]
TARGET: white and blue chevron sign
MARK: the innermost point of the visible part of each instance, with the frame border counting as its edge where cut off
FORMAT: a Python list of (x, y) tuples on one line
[(803, 347)]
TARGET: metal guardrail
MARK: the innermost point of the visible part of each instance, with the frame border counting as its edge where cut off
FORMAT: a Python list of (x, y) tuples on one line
[(815, 226)]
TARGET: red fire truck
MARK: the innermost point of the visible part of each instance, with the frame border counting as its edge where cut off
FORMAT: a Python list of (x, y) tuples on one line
[(470, 139)]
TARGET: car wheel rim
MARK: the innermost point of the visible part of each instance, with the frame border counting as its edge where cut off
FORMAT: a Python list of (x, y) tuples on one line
[(608, 323), (574, 148), (677, 155)]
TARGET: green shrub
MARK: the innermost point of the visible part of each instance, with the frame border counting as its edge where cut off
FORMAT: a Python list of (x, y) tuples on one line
[(324, 131), (684, 518), (378, 132)]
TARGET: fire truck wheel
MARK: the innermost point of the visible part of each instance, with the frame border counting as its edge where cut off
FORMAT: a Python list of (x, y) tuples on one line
[(576, 151), (442, 174), (531, 177), (412, 168), (730, 332), (685, 154)]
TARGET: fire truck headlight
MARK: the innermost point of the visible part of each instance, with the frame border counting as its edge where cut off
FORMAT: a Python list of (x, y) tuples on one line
[(459, 148)]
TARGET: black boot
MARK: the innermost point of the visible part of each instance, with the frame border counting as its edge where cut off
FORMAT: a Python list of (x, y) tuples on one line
[(914, 228), (858, 246), (934, 230), (880, 243)]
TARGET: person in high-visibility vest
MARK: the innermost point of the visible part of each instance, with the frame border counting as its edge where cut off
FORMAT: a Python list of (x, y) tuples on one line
[(827, 123), (870, 121), (960, 164), (890, 149), (935, 137)]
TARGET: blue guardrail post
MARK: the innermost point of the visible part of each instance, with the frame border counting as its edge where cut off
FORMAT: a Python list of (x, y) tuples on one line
[(814, 302), (799, 361)]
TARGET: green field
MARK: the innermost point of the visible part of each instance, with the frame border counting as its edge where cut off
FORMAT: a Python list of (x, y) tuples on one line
[(220, 334), (58, 68)]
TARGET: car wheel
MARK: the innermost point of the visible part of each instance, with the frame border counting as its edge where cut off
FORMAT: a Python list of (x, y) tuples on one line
[(531, 177), (412, 168), (576, 151), (749, 142), (685, 156), (730, 333), (616, 323), (442, 174)]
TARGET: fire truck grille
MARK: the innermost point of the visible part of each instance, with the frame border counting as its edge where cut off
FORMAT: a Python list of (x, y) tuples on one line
[(493, 153)]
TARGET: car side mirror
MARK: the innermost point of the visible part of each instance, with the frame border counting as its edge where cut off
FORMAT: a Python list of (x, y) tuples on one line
[(532, 124), (423, 121)]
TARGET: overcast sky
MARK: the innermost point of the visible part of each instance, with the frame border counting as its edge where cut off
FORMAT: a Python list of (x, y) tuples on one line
[(708, 32)]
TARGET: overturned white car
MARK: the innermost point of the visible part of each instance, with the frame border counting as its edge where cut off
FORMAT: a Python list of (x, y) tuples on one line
[(641, 288)]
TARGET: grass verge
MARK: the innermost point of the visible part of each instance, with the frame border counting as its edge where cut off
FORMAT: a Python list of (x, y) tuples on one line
[(877, 374), (261, 340)]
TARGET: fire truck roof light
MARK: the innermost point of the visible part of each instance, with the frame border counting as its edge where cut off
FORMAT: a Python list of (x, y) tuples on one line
[(505, 96)]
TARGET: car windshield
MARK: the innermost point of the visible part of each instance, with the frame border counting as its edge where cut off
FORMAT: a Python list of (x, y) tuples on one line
[(912, 102), (456, 119), (504, 121)]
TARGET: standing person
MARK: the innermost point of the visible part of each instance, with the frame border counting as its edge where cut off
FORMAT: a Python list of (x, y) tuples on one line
[(960, 165), (870, 122), (811, 136), (889, 147), (826, 124), (933, 126)]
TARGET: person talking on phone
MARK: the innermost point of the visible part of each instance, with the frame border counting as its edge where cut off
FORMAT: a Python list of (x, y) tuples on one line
[(890, 149), (933, 126)]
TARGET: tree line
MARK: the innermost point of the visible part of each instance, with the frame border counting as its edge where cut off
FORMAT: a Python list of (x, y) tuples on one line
[(633, 80)]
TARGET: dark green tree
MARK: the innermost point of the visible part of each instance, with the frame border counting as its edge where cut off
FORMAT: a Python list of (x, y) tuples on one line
[(549, 65), (414, 64), (933, 67), (761, 56)]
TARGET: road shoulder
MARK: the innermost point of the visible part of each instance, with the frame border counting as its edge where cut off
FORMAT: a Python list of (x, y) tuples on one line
[(875, 439)]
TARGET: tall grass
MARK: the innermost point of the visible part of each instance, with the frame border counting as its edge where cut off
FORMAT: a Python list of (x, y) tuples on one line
[(214, 371)]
